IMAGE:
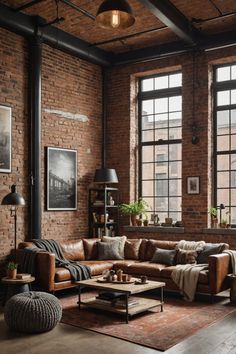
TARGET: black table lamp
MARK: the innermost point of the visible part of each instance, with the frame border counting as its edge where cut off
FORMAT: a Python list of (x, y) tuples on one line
[(13, 199)]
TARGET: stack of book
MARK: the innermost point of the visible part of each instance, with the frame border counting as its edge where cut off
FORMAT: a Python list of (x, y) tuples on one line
[(115, 299), (23, 276)]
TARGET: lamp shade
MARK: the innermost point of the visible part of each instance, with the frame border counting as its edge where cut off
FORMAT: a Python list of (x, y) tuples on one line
[(115, 14), (13, 198), (105, 175)]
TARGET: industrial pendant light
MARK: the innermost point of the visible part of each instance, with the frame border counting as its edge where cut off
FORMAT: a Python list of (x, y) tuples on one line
[(115, 14)]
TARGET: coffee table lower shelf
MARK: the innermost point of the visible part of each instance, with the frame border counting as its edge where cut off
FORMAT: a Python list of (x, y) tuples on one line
[(143, 305)]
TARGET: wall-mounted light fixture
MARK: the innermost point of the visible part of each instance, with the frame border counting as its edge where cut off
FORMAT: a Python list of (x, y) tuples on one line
[(115, 14)]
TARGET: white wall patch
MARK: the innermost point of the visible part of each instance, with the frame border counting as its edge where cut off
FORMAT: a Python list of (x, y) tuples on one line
[(68, 115)]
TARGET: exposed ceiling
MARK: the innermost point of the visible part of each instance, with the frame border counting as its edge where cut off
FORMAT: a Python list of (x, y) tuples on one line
[(158, 22)]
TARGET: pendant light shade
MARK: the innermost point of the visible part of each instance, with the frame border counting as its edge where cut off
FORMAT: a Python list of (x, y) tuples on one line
[(115, 14), (105, 175)]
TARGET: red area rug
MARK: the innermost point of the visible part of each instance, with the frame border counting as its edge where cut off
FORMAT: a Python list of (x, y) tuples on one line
[(154, 329)]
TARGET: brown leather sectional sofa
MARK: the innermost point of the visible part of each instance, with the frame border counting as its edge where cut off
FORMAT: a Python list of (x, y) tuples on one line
[(137, 262)]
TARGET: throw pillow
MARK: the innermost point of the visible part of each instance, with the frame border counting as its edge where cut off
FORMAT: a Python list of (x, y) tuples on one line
[(121, 241), (132, 248), (186, 257), (108, 250), (190, 245), (162, 256), (208, 250)]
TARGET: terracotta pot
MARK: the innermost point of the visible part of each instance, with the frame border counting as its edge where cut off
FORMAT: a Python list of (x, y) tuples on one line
[(214, 223), (133, 219), (11, 273), (139, 222)]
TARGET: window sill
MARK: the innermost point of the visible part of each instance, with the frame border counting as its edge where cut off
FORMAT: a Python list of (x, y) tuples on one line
[(220, 231), (161, 229)]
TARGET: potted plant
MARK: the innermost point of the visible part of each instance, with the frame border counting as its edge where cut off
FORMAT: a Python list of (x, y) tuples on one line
[(137, 208), (213, 213), (11, 270)]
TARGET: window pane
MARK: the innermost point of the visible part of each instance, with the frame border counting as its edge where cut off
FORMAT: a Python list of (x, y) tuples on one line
[(175, 119), (223, 197), (223, 73), (150, 204), (233, 96), (223, 143), (233, 72), (175, 170), (162, 169), (233, 197), (147, 188), (161, 134), (175, 203), (175, 103), (233, 121), (175, 216), (223, 98), (233, 215), (148, 171), (233, 161), (162, 216), (175, 152), (161, 150), (147, 155), (147, 107), (147, 135), (222, 179), (162, 188), (175, 80), (222, 122), (233, 142), (161, 120), (147, 122), (161, 82), (147, 85), (161, 105), (223, 162), (175, 133), (233, 179), (161, 204), (175, 187)]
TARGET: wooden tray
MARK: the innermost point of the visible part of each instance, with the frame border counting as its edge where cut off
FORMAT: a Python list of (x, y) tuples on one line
[(115, 282)]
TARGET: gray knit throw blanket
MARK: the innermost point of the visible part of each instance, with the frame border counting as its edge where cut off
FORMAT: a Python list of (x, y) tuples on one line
[(77, 270)]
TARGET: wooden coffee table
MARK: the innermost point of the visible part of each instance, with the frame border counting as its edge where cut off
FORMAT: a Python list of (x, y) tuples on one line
[(125, 289)]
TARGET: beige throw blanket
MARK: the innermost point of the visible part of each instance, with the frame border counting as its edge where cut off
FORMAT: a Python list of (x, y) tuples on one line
[(190, 245), (232, 255), (186, 276)]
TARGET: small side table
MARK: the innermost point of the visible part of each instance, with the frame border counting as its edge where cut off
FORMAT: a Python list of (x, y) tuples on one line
[(15, 286), (232, 279)]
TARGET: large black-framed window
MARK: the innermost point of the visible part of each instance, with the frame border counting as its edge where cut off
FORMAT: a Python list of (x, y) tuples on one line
[(160, 144), (225, 139)]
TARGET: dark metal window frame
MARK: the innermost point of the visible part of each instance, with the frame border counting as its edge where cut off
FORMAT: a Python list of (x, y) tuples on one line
[(217, 87), (155, 94)]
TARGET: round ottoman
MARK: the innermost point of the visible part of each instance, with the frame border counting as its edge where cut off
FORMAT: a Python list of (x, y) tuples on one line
[(32, 312)]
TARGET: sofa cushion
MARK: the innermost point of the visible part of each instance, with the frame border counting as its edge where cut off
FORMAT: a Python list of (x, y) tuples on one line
[(62, 274), (166, 257), (186, 257), (132, 247), (203, 278), (143, 249), (91, 248), (145, 268), (210, 249), (73, 250), (121, 243), (109, 250), (98, 267), (153, 244)]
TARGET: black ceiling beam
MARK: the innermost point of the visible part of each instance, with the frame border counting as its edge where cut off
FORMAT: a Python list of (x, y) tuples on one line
[(174, 19), (27, 5), (78, 8), (212, 42), (25, 25)]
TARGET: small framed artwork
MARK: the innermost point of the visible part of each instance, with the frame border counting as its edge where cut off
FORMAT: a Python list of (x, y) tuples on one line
[(193, 185), (5, 139), (61, 179)]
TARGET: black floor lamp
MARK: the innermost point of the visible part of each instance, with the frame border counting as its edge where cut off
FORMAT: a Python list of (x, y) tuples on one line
[(13, 199)]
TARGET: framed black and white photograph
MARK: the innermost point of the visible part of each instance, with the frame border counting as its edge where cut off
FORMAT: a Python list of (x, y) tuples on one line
[(5, 139), (193, 185), (61, 179)]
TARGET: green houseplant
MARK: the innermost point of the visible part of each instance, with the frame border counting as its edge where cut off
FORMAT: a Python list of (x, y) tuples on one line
[(137, 208), (11, 270)]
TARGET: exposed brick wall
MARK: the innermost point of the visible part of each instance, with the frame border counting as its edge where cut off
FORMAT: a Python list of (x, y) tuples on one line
[(197, 159), (69, 85)]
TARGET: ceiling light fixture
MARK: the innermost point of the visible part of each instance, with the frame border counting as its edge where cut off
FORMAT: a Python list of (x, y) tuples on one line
[(115, 14)]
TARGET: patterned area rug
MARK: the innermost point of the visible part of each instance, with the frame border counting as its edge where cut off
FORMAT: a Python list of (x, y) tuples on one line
[(154, 329)]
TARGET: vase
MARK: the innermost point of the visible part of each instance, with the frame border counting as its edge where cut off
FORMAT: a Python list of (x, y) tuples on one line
[(133, 219), (214, 223), (11, 273)]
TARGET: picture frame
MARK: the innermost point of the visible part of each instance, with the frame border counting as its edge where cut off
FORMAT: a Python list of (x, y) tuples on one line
[(61, 179), (5, 138), (193, 185)]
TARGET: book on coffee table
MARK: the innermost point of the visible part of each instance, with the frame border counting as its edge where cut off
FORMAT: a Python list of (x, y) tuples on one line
[(23, 276)]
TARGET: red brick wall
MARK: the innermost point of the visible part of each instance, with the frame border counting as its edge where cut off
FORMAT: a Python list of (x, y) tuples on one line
[(197, 159), (69, 85)]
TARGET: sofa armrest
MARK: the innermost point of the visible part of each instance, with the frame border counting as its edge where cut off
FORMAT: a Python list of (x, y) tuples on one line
[(219, 267), (45, 270)]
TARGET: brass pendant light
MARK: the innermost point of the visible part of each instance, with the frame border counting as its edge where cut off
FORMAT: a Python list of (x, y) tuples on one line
[(115, 14)]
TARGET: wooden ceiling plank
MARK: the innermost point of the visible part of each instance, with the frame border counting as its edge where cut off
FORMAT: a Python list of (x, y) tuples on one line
[(174, 19)]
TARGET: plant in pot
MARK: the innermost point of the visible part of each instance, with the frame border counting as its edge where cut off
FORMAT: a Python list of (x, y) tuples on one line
[(213, 213), (135, 209), (11, 270)]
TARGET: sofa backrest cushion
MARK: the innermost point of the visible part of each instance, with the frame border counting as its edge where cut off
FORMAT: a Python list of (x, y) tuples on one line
[(132, 247), (186, 257), (210, 249), (121, 243), (91, 248), (143, 249), (153, 244), (109, 250), (73, 250)]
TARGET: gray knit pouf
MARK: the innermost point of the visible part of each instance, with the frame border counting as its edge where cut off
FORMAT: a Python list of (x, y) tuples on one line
[(32, 312)]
